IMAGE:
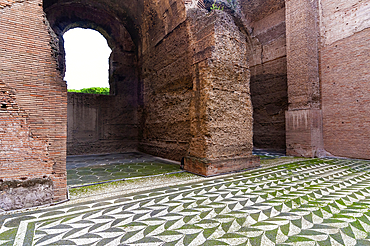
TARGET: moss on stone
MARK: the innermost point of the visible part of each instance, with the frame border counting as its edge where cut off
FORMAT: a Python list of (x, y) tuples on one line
[(128, 184)]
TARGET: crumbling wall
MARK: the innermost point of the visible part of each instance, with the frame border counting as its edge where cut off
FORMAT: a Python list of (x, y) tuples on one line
[(195, 91), (33, 105), (267, 60), (345, 66), (22, 155), (221, 108), (18, 194), (166, 78)]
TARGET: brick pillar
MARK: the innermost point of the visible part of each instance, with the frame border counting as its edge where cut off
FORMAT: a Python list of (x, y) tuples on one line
[(304, 117), (221, 110), (33, 113)]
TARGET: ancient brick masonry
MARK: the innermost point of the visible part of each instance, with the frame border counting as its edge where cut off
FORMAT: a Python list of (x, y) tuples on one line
[(185, 81), (345, 77), (268, 65), (328, 78), (304, 132), (33, 109)]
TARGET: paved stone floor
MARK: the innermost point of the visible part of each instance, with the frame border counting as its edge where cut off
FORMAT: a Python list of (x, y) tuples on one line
[(304, 202), (90, 169)]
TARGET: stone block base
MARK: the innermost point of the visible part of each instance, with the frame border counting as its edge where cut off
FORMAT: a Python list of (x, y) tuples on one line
[(209, 168)]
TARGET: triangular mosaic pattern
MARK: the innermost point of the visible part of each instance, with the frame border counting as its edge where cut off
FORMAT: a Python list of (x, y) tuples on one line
[(315, 202), (92, 169)]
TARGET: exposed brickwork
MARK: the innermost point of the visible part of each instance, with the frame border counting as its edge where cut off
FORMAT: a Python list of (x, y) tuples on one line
[(22, 155), (302, 30), (302, 54), (345, 76), (34, 124), (101, 124), (221, 109), (269, 99), (180, 83), (222, 120), (342, 19), (345, 32), (256, 10)]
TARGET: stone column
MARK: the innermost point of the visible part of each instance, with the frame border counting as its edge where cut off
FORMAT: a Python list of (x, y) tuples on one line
[(304, 117), (221, 110)]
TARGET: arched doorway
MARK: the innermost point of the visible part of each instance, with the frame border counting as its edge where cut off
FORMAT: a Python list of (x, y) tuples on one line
[(101, 124), (97, 123)]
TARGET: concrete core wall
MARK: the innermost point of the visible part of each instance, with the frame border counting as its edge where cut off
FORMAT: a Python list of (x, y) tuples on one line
[(101, 124), (166, 83), (269, 80)]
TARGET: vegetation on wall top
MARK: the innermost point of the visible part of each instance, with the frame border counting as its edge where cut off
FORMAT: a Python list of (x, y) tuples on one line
[(92, 90)]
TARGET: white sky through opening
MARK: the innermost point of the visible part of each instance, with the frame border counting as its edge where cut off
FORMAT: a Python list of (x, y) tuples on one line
[(87, 59)]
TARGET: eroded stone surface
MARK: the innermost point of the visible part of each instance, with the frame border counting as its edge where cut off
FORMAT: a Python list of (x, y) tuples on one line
[(17, 194)]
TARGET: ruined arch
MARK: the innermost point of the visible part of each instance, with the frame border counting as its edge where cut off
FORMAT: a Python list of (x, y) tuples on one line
[(67, 15), (187, 94), (96, 123), (87, 59)]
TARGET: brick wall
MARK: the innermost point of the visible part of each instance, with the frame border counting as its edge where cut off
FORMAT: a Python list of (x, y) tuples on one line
[(345, 77), (35, 122), (304, 137), (22, 156)]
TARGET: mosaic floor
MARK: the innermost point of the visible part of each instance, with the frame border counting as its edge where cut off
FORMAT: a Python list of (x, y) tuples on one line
[(314, 202), (92, 169), (82, 170), (268, 154)]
